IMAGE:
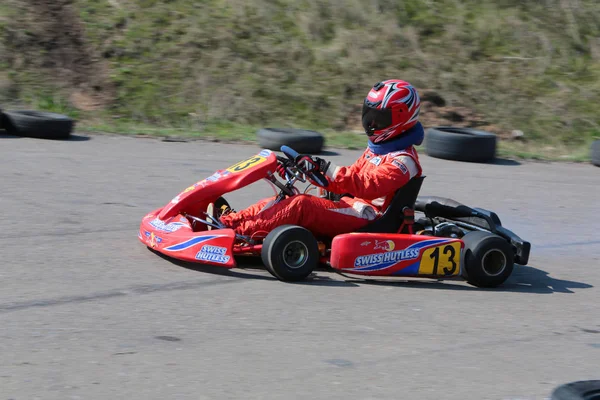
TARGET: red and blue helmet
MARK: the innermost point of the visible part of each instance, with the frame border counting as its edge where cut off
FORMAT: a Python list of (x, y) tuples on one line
[(390, 109)]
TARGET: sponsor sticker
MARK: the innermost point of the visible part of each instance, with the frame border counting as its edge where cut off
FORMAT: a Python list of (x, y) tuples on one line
[(380, 258), (189, 189), (387, 245), (214, 177), (213, 254), (376, 161), (170, 227), (153, 240), (400, 165)]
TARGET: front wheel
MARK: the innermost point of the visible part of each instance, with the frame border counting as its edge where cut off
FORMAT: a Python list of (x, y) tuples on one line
[(488, 259), (290, 253)]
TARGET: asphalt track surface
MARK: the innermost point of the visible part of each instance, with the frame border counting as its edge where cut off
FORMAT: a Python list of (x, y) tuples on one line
[(88, 312)]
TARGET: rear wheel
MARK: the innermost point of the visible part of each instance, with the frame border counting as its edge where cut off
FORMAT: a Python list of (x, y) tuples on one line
[(290, 253), (488, 259)]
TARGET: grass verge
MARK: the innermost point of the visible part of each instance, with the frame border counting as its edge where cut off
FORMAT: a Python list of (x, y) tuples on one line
[(231, 132), (521, 65)]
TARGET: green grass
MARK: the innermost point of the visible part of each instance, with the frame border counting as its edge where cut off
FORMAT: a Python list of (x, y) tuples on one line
[(533, 151), (229, 132), (224, 131), (177, 66)]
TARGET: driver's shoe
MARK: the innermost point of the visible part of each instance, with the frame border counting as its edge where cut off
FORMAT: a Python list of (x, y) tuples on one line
[(224, 210), (214, 214)]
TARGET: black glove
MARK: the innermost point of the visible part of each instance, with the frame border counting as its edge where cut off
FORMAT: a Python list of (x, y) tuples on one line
[(313, 164)]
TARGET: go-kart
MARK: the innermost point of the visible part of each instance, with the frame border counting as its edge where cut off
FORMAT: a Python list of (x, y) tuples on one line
[(428, 237)]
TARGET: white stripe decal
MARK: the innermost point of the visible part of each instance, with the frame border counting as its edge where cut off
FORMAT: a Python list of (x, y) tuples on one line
[(410, 164)]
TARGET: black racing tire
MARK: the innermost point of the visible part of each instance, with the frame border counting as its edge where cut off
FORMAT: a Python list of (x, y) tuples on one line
[(580, 390), (303, 141), (460, 144), (1, 120), (38, 124), (596, 153), (290, 253), (488, 259)]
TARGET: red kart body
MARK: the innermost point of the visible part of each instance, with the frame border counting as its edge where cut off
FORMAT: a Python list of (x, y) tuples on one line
[(396, 254), (168, 231)]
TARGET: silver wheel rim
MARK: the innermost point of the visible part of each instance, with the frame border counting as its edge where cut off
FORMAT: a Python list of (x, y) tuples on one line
[(493, 262), (295, 254)]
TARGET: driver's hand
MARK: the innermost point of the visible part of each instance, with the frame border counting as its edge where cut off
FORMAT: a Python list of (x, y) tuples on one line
[(314, 164)]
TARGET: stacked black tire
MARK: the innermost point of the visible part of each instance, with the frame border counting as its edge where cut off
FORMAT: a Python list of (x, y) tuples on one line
[(36, 124), (472, 145), (302, 140), (460, 144)]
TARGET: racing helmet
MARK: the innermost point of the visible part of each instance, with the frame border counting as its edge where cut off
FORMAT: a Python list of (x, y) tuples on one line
[(390, 108)]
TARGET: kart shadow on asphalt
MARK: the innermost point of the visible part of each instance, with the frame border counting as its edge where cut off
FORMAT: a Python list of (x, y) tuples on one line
[(252, 268), (504, 161), (528, 279), (525, 279)]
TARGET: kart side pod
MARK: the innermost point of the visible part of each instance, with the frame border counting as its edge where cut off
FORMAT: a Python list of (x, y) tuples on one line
[(396, 254), (482, 258)]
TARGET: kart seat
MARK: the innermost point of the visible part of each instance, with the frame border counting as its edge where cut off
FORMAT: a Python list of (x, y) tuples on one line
[(394, 216), (423, 202), (433, 206)]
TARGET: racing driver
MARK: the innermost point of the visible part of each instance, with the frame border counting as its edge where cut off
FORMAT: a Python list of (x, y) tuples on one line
[(390, 118)]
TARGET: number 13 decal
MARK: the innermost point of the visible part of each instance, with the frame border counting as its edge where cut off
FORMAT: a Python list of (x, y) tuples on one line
[(441, 260), (242, 165)]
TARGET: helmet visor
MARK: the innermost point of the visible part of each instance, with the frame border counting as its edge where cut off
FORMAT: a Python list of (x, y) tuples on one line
[(374, 119)]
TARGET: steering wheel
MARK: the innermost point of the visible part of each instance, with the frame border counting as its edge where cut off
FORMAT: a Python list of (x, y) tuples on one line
[(316, 176)]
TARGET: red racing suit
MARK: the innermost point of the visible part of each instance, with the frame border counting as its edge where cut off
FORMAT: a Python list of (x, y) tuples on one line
[(372, 180)]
